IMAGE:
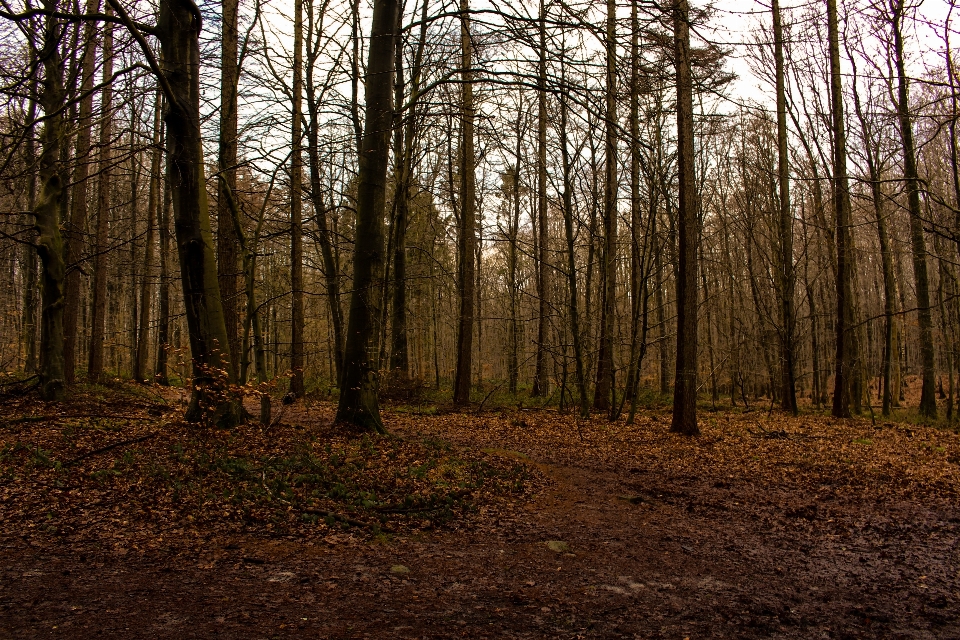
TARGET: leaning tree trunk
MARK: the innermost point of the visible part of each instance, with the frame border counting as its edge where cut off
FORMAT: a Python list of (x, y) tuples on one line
[(47, 213), (359, 405), (685, 385)]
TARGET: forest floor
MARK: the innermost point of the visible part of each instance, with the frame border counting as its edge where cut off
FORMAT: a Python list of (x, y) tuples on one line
[(118, 521)]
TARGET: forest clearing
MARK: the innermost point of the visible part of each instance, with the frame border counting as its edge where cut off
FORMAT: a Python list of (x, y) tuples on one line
[(502, 523)]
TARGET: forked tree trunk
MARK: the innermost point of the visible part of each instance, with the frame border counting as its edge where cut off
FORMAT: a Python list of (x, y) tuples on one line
[(178, 29)]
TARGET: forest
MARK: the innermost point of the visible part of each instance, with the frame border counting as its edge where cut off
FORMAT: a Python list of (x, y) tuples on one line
[(378, 275)]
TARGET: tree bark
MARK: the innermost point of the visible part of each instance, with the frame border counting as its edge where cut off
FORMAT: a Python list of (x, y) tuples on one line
[(540, 383), (297, 387), (359, 404), (47, 213), (788, 381), (104, 170), (227, 259), (685, 385), (928, 399), (154, 202), (602, 400), (845, 346), (178, 29), (78, 201), (468, 235)]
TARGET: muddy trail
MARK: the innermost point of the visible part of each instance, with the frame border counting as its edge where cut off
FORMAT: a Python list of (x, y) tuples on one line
[(810, 531)]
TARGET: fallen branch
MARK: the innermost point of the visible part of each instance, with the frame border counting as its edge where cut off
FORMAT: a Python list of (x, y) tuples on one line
[(122, 443)]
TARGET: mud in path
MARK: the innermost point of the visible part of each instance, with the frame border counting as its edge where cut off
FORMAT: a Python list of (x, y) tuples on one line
[(603, 550)]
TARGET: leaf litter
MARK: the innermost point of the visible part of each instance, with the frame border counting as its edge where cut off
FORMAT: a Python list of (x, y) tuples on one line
[(491, 524)]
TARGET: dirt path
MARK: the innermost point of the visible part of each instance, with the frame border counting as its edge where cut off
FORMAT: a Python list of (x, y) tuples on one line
[(602, 551)]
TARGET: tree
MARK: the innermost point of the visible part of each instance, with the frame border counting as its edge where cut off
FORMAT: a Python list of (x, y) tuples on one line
[(47, 210), (467, 246), (296, 211), (227, 166), (788, 383), (928, 400), (685, 385), (359, 404), (845, 345)]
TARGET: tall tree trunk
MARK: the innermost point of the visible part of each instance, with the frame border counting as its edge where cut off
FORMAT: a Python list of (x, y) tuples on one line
[(568, 214), (297, 387), (78, 201), (135, 171), (154, 202), (178, 29), (47, 212), (29, 251), (331, 267), (845, 345), (160, 374), (788, 380), (358, 404), (685, 385), (540, 384), (633, 371), (928, 399), (227, 259), (605, 371), (104, 184), (871, 151), (468, 235)]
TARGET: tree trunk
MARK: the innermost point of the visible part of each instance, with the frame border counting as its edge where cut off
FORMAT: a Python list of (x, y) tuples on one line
[(78, 201), (104, 184), (178, 30), (572, 261), (685, 385), (160, 374), (227, 161), (540, 384), (47, 213), (297, 387), (928, 399), (602, 400), (154, 202), (788, 381), (468, 235), (359, 404), (845, 346)]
